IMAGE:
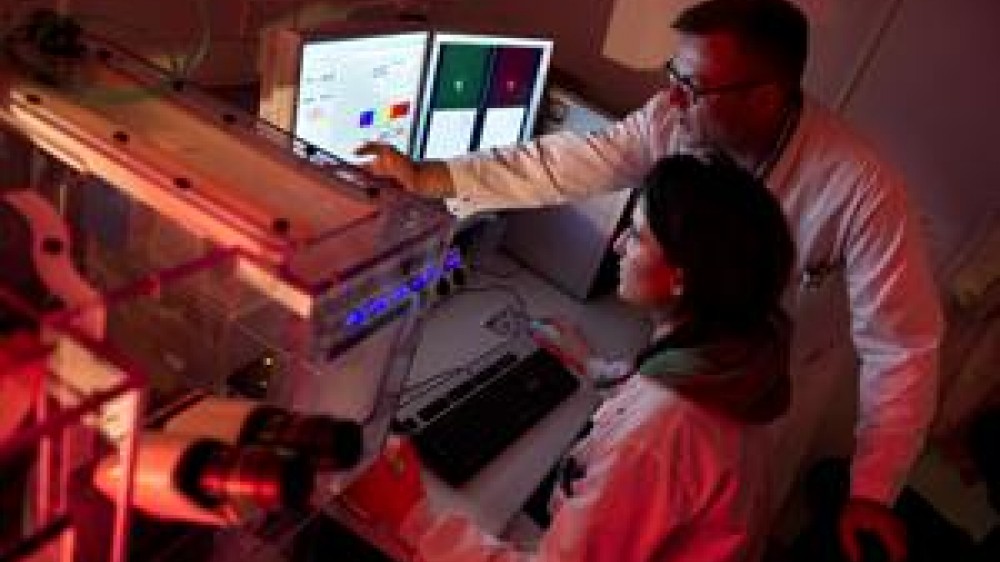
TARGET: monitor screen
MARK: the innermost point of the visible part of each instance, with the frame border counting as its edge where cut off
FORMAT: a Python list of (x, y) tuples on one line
[(480, 92), (356, 89)]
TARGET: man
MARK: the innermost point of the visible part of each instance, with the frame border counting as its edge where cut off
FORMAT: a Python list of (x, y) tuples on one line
[(734, 84)]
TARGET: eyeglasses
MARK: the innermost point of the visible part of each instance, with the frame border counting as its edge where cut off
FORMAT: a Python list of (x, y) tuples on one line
[(694, 93)]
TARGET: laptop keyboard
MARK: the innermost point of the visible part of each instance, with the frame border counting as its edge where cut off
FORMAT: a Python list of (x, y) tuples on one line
[(475, 421)]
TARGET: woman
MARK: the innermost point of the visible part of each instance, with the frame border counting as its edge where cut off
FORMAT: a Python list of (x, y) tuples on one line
[(674, 467)]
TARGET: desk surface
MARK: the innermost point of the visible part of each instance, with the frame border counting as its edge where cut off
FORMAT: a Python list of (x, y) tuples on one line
[(455, 333)]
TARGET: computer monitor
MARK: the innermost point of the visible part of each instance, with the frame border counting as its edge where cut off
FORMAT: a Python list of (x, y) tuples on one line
[(346, 86), (481, 91)]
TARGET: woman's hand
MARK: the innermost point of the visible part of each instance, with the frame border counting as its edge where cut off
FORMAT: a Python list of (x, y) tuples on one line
[(564, 340)]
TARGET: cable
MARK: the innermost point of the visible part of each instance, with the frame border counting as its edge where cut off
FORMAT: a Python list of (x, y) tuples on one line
[(516, 311), (200, 52)]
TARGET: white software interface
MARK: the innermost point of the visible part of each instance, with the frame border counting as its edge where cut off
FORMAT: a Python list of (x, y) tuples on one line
[(353, 90), (480, 92)]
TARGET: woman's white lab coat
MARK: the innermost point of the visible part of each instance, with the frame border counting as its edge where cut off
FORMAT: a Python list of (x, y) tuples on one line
[(660, 479)]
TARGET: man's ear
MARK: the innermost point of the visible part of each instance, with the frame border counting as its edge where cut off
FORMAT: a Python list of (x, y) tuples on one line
[(773, 97)]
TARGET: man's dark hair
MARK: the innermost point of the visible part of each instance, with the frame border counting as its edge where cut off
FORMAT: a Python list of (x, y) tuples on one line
[(774, 31), (729, 236)]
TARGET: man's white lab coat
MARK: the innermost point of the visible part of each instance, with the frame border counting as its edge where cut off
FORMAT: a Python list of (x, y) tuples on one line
[(857, 240)]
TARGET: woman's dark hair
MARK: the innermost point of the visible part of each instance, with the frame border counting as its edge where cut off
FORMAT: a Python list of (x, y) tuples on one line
[(727, 233), (775, 31)]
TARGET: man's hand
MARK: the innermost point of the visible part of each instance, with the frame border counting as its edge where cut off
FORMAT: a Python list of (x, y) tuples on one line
[(387, 492), (864, 515), (389, 162), (429, 179)]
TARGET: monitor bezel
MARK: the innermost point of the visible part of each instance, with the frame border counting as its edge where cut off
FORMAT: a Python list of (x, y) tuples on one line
[(348, 31), (432, 60)]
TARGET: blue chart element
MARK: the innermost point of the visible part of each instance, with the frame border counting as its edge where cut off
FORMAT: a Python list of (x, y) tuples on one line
[(389, 301), (367, 118)]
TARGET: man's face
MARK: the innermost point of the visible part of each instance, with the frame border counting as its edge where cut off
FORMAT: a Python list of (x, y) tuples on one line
[(716, 89)]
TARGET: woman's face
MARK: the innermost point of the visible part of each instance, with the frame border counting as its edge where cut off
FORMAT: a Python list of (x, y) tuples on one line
[(647, 277)]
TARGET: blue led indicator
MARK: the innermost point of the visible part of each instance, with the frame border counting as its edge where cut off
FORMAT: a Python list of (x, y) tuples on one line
[(401, 294), (418, 283), (355, 318), (377, 305), (453, 260)]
